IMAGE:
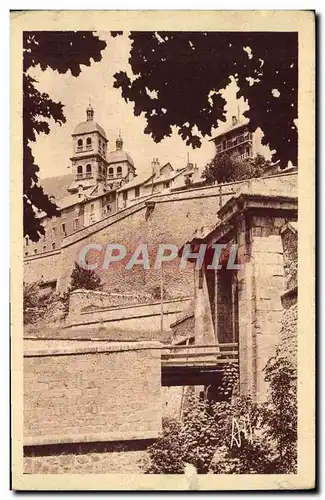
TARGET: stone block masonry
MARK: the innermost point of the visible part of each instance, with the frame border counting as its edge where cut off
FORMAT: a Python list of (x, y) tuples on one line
[(172, 218), (94, 458), (79, 391)]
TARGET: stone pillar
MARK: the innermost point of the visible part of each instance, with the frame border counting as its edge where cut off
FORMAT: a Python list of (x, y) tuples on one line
[(204, 327), (267, 252), (246, 309)]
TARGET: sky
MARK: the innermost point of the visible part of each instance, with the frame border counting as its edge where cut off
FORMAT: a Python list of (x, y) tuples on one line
[(95, 83)]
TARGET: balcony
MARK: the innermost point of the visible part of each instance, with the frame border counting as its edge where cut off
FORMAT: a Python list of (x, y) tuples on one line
[(233, 143), (80, 176)]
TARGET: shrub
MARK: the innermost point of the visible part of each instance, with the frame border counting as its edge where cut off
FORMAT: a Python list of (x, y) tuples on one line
[(236, 436), (84, 279), (223, 168), (165, 455)]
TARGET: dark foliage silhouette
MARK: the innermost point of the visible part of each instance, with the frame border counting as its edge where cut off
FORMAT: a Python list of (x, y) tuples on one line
[(61, 51)]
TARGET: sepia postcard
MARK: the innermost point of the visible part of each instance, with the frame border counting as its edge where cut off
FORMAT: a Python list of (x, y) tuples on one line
[(162, 217)]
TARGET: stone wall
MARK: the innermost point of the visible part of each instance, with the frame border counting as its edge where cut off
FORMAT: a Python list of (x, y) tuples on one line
[(140, 318), (91, 391), (90, 300), (288, 336), (289, 237), (96, 459), (173, 219), (45, 267)]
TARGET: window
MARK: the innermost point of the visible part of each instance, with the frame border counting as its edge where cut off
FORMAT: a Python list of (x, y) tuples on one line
[(79, 172), (53, 246), (27, 241), (111, 172), (119, 171), (166, 184), (54, 231), (35, 250), (64, 229), (79, 145), (26, 254), (76, 223), (44, 248), (125, 195), (88, 170), (137, 192), (92, 208), (88, 143)]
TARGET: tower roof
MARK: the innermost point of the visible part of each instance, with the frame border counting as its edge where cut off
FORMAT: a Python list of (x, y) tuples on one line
[(89, 125), (117, 156)]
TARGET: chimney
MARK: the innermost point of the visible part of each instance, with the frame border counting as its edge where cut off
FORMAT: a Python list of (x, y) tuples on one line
[(155, 167), (234, 121)]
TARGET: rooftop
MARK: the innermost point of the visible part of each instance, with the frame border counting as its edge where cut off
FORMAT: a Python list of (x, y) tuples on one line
[(117, 156), (88, 127), (231, 128)]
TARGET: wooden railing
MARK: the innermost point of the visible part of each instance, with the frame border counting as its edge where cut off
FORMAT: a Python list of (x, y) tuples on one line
[(199, 355)]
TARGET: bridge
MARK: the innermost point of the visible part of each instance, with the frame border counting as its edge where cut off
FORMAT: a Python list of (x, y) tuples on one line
[(196, 364)]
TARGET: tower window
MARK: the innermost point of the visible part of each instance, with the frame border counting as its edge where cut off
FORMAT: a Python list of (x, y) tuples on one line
[(79, 144), (64, 229), (111, 172), (137, 192), (88, 170), (76, 223), (88, 142), (53, 246), (54, 231), (79, 172), (44, 248), (92, 208), (119, 171), (35, 250), (125, 195)]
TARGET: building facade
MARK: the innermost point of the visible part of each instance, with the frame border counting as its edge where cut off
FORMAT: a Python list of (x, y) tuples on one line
[(237, 141), (89, 193)]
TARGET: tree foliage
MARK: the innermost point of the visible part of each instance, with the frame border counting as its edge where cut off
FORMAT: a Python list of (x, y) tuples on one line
[(235, 436), (61, 51), (84, 279), (223, 168), (178, 78)]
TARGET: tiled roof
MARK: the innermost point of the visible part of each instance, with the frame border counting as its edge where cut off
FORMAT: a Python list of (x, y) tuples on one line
[(117, 156), (87, 127), (146, 177), (73, 199), (136, 181)]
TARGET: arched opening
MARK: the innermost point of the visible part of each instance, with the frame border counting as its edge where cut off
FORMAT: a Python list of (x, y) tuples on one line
[(88, 142), (119, 171), (111, 172), (79, 144), (88, 170), (79, 172)]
